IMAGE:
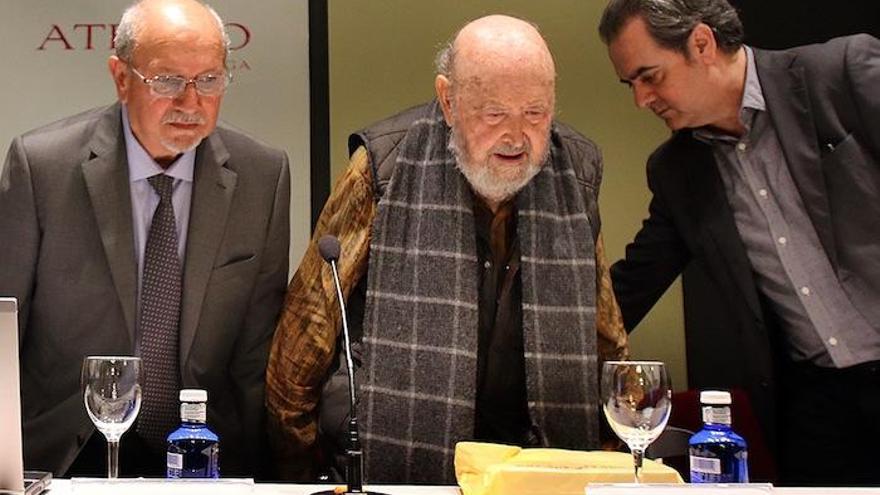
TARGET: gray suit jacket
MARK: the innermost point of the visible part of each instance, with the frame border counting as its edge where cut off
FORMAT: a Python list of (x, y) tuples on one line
[(824, 101), (67, 254)]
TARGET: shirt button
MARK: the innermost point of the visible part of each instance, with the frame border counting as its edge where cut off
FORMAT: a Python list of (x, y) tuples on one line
[(832, 341), (762, 192), (782, 240), (487, 264), (741, 146), (805, 290)]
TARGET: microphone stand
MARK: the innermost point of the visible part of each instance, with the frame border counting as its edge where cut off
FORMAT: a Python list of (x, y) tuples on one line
[(354, 471)]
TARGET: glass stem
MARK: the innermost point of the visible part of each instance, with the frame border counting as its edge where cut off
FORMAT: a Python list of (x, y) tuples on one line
[(112, 459), (638, 457)]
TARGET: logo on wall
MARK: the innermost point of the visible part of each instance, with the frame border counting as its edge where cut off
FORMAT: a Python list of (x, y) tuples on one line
[(99, 36)]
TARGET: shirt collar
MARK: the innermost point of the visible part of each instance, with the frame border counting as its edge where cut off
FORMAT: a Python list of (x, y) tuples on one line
[(752, 101), (753, 95), (142, 166)]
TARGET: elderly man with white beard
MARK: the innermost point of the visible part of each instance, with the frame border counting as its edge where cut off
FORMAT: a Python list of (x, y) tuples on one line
[(146, 228), (473, 271)]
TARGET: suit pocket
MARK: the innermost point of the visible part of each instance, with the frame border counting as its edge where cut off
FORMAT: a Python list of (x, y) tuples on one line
[(852, 180), (852, 175), (233, 267)]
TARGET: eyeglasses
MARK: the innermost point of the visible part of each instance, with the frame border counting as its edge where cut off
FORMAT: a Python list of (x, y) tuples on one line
[(166, 86)]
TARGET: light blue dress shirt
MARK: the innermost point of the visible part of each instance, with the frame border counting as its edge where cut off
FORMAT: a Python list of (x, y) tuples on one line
[(144, 198)]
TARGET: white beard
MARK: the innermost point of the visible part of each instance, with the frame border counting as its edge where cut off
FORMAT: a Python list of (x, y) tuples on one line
[(483, 179), (181, 145), (178, 147)]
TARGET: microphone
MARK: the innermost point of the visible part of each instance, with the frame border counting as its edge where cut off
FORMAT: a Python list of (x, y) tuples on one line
[(330, 250)]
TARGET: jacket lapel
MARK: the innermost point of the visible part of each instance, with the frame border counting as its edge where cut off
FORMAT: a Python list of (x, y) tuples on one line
[(213, 189), (106, 177), (787, 100), (708, 202)]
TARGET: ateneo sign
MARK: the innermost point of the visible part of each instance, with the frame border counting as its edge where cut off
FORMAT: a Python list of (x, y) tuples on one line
[(82, 36)]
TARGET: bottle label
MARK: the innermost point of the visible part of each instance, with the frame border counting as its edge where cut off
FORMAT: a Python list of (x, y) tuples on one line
[(174, 461), (705, 465), (194, 412), (193, 456), (729, 467), (717, 415)]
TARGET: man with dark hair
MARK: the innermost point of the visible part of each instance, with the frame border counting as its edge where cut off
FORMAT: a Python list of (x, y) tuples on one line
[(771, 184), (487, 304), (146, 228), (670, 22)]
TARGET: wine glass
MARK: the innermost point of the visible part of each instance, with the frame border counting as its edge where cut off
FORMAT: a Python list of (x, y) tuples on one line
[(637, 400), (112, 394)]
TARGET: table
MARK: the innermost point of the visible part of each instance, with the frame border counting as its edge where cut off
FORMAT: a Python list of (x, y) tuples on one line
[(65, 487)]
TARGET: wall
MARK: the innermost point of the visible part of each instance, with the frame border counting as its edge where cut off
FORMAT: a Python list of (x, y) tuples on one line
[(381, 61)]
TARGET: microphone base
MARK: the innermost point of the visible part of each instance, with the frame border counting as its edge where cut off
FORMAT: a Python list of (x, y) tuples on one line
[(333, 492)]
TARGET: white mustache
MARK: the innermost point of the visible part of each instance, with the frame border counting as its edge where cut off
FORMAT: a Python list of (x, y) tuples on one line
[(510, 150), (178, 117)]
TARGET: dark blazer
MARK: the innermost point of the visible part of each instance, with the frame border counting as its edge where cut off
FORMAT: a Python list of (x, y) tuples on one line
[(68, 256), (824, 101)]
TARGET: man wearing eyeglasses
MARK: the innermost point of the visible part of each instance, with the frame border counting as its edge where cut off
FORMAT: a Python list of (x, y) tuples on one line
[(146, 228)]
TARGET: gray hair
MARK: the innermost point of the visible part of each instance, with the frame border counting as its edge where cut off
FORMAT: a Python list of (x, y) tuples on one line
[(671, 22), (131, 24), (444, 61)]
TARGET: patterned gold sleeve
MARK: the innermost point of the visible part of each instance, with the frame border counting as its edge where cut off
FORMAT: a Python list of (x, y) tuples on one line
[(612, 339), (305, 338)]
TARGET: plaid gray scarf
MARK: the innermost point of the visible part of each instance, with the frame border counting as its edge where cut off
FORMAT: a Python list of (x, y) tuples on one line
[(420, 327)]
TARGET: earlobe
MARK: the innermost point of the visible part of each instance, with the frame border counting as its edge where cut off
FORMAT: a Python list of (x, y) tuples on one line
[(441, 87), (118, 73)]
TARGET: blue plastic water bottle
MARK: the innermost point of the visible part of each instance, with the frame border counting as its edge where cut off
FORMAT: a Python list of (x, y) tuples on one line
[(193, 449), (717, 453)]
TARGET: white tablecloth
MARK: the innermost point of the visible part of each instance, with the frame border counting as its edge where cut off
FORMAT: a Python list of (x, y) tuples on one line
[(65, 487)]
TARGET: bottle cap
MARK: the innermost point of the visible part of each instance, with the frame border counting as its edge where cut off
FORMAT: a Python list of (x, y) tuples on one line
[(715, 397), (193, 395)]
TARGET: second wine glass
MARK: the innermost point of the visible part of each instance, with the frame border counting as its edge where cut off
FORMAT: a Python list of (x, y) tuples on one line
[(637, 401), (112, 394)]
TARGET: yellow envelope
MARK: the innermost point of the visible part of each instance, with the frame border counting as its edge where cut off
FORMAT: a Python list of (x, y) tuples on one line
[(492, 469)]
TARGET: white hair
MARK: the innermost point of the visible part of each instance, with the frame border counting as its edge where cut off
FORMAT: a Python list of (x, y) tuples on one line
[(131, 24)]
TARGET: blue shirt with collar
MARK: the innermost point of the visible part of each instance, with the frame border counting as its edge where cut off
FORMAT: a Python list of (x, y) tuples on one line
[(144, 198)]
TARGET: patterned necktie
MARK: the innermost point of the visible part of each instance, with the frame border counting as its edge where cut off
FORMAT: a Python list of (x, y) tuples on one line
[(159, 319)]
